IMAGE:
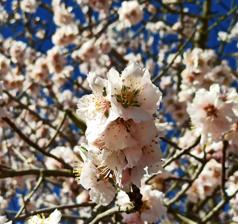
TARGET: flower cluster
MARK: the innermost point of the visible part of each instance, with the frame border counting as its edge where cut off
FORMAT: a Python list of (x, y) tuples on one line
[(67, 32), (206, 183), (121, 133)]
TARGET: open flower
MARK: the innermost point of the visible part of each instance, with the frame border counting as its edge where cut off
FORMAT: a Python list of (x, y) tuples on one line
[(87, 51), (148, 163), (65, 35), (95, 178), (211, 113), (207, 181), (133, 95), (54, 218), (29, 6), (152, 207), (94, 108), (130, 13), (121, 134)]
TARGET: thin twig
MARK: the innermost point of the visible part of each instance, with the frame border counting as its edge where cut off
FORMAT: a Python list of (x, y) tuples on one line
[(118, 209), (29, 196), (49, 210), (34, 145), (182, 152)]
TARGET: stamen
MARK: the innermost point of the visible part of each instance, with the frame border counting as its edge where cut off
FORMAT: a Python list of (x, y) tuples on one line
[(127, 97)]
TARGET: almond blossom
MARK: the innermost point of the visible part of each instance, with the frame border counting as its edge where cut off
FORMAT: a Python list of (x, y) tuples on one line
[(4, 65), (131, 93), (124, 147), (130, 13), (29, 6), (87, 51), (152, 208), (211, 113), (62, 15), (206, 183), (54, 218), (94, 177), (65, 35)]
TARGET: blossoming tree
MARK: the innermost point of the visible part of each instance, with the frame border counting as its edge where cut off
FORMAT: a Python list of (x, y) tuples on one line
[(118, 111)]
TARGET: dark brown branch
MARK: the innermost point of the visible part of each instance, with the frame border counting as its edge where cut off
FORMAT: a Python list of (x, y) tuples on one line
[(29, 196), (34, 145), (118, 209), (223, 174), (49, 210), (36, 115), (7, 173), (182, 152), (217, 208)]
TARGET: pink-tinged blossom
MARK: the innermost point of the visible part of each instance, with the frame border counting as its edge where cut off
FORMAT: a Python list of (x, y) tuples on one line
[(123, 148), (130, 13), (152, 208), (211, 113), (29, 6), (232, 136), (39, 72), (133, 95), (4, 65), (234, 209), (94, 109), (150, 162), (100, 5), (62, 15), (54, 218), (55, 60), (94, 178), (133, 218), (206, 183), (103, 44), (199, 61), (65, 35), (17, 52), (87, 51), (121, 134), (231, 188), (61, 152)]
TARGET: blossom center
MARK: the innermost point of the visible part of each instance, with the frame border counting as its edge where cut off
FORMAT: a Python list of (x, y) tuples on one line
[(211, 110), (128, 97), (104, 172), (103, 105)]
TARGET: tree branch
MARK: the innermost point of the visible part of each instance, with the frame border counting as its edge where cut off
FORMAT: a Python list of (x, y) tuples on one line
[(34, 145)]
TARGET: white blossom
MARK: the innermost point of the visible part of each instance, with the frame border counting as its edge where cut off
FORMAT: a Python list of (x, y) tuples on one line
[(29, 6), (211, 114), (132, 94), (54, 218), (65, 35), (130, 13)]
